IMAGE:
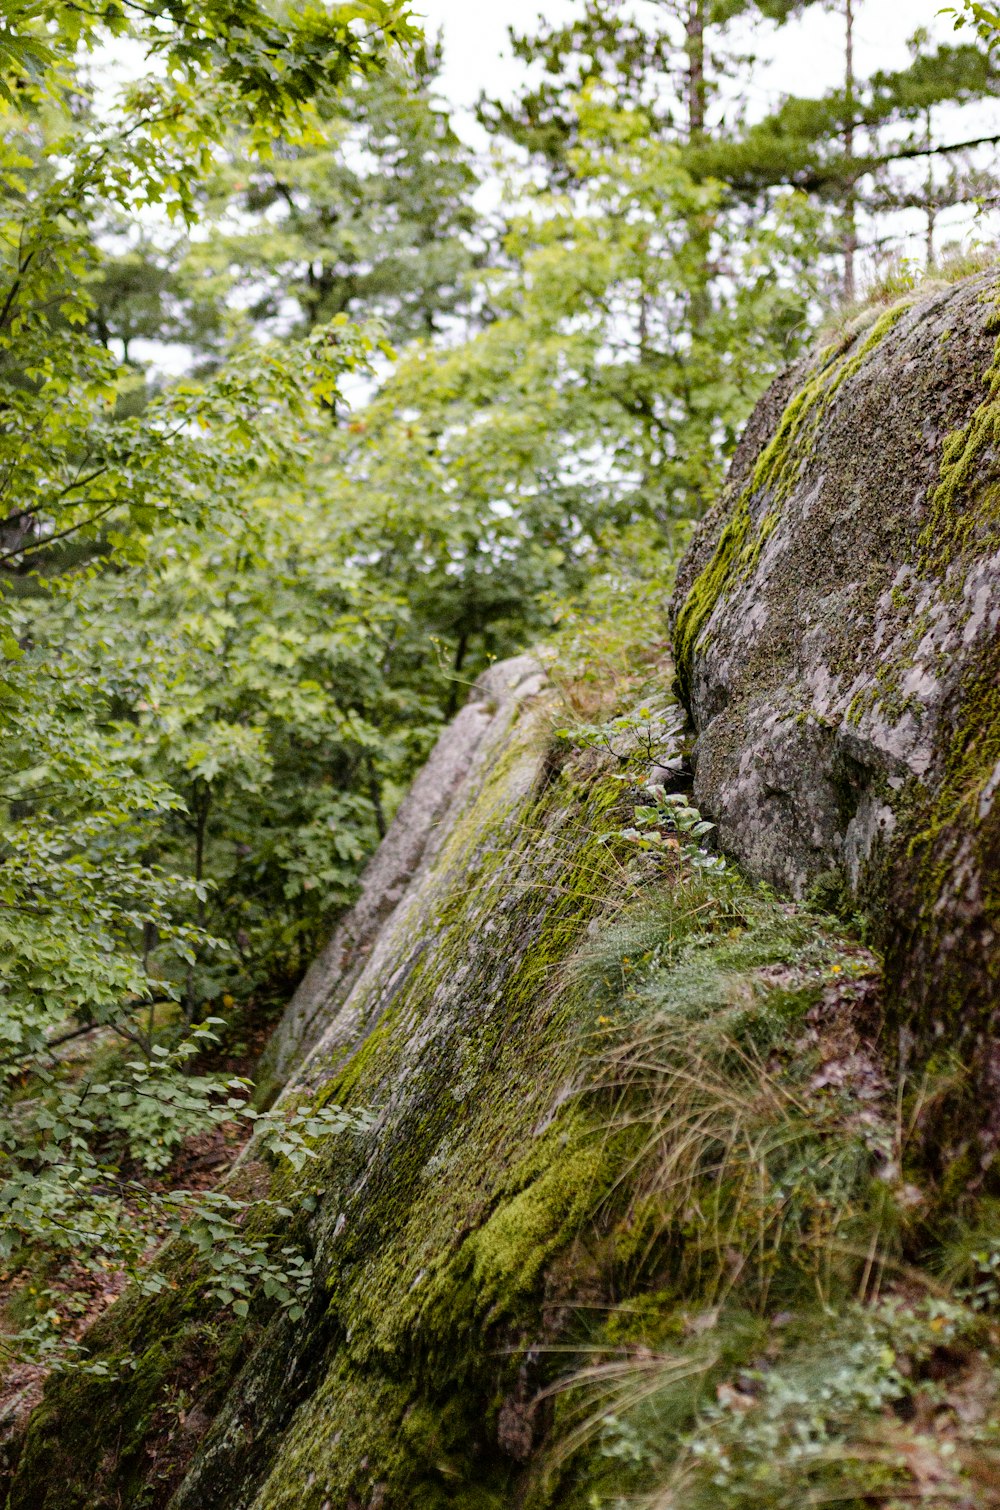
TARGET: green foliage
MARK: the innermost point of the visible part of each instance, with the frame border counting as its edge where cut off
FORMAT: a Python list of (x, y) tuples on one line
[(664, 824), (272, 67), (672, 823), (244, 674), (67, 1196), (103, 920), (370, 214), (802, 142), (984, 18), (609, 387), (810, 1424), (650, 733)]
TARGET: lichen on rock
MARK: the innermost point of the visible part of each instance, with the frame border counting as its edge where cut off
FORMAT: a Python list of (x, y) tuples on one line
[(842, 675)]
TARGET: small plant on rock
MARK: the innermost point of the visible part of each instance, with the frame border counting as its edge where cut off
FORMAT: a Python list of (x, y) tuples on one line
[(671, 823)]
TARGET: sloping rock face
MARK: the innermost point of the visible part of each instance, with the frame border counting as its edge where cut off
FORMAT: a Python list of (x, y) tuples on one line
[(434, 1237), (453, 774), (836, 635)]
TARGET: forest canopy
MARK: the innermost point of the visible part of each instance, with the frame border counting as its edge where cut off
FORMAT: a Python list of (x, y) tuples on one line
[(411, 435)]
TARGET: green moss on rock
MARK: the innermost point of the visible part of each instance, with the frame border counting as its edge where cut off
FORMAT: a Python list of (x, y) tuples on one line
[(952, 521), (774, 475), (844, 691)]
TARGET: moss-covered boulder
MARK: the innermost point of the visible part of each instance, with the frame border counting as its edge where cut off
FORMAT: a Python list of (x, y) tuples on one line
[(409, 1377), (456, 769), (836, 634)]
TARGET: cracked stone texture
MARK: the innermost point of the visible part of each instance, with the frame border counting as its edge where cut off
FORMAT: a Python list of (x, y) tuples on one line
[(842, 667)]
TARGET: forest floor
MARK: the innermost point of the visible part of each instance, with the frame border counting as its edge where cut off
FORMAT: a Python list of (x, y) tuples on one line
[(82, 1294)]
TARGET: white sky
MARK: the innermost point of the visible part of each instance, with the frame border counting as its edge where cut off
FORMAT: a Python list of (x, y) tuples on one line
[(809, 52)]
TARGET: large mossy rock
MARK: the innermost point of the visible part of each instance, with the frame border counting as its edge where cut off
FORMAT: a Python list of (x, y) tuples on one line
[(836, 634), (435, 1237), (471, 1245), (455, 772)]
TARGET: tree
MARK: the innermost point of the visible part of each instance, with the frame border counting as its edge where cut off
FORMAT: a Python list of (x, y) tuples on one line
[(242, 674), (99, 931), (371, 215), (664, 63), (682, 287), (76, 469), (270, 67), (936, 77), (848, 150)]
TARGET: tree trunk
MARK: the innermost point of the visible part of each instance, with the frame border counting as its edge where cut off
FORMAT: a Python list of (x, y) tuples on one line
[(697, 86), (929, 189), (851, 203), (201, 801), (461, 650)]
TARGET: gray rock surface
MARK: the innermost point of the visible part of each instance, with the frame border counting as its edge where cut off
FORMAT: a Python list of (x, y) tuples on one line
[(836, 631), (443, 788)]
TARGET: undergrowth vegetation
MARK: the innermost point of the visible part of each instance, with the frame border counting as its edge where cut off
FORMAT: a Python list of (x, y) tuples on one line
[(794, 1310), (793, 1321)]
